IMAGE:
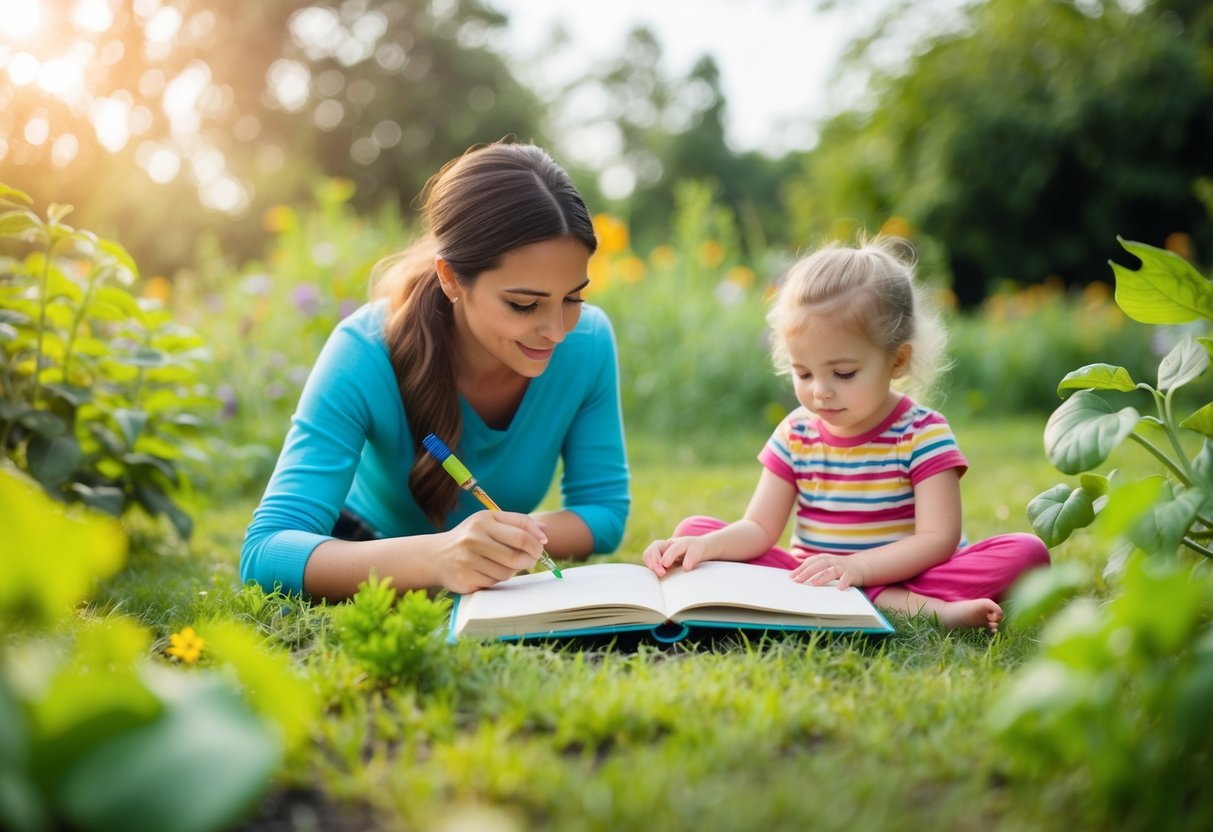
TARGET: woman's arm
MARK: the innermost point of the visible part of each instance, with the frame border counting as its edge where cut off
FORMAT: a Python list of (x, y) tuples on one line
[(485, 548)]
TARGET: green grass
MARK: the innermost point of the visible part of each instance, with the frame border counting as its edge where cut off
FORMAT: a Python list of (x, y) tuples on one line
[(785, 732)]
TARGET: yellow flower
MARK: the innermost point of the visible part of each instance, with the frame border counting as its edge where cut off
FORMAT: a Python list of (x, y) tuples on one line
[(896, 226), (711, 252), (631, 269), (663, 256), (599, 273), (158, 288), (279, 218), (611, 232), (743, 276), (185, 646)]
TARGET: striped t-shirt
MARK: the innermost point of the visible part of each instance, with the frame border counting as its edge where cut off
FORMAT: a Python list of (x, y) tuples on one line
[(857, 492)]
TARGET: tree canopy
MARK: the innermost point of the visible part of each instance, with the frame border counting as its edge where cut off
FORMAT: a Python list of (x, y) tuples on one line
[(1027, 139)]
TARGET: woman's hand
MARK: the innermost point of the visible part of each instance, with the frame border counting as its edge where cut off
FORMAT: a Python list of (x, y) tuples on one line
[(848, 570), (486, 548), (661, 555)]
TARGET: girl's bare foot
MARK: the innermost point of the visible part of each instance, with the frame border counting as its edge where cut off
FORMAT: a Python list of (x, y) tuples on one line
[(978, 612)]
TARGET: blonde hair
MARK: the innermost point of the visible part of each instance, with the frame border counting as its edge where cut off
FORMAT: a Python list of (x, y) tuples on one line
[(869, 288)]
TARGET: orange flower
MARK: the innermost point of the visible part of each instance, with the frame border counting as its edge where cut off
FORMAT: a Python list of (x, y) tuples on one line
[(612, 234), (280, 218), (158, 288), (711, 252)]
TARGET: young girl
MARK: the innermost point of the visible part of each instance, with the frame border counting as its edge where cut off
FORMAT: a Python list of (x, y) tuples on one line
[(874, 476)]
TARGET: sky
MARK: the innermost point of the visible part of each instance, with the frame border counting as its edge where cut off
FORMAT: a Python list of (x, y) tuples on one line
[(775, 56)]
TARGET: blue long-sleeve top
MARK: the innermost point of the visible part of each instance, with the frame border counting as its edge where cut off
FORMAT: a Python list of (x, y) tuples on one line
[(349, 446)]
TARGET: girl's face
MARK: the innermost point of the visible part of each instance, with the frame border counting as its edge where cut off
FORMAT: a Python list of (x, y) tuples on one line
[(513, 316), (841, 376)]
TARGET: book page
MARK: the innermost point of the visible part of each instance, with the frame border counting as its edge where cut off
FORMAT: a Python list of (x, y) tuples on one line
[(587, 595), (714, 585)]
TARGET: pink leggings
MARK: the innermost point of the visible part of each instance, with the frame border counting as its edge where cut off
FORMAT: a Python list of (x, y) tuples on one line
[(985, 569)]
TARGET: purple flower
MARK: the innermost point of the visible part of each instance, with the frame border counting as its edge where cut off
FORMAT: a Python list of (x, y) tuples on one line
[(306, 298), (227, 395)]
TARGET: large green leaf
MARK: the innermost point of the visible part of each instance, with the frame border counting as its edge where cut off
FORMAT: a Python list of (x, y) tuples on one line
[(11, 194), (1098, 377), (1127, 503), (122, 259), (53, 460), (1084, 430), (20, 225), (1056, 513), (1160, 531), (1186, 361), (131, 423), (197, 768), (1041, 592), (1202, 465), (156, 501), (1201, 421), (84, 548), (1167, 289)]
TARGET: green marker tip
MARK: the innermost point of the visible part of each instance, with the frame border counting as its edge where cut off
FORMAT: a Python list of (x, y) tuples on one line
[(556, 572)]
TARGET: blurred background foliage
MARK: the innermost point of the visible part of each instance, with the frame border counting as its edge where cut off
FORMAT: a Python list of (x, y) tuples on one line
[(257, 159), (1013, 143)]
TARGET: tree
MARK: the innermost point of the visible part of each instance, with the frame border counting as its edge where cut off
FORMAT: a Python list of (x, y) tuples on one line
[(220, 108), (1028, 138)]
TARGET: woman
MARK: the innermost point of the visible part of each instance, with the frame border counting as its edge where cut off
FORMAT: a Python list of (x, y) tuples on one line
[(477, 333)]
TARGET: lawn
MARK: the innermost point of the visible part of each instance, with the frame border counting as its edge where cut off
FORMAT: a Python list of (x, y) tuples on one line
[(778, 733)]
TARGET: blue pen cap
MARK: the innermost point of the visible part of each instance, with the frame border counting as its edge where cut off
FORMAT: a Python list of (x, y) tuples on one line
[(436, 447)]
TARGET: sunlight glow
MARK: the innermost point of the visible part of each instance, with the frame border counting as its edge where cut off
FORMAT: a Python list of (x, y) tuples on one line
[(20, 18), (23, 69), (64, 150), (94, 16), (61, 77), (161, 161), (109, 117)]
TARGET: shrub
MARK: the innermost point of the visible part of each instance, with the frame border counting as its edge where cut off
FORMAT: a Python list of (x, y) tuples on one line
[(99, 393)]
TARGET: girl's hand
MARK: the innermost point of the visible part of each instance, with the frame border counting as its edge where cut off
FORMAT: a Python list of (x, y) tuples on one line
[(486, 548), (848, 570), (663, 554)]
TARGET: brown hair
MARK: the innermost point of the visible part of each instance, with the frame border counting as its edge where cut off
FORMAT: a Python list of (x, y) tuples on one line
[(491, 200)]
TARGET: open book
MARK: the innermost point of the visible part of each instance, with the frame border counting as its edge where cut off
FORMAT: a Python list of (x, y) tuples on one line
[(617, 597)]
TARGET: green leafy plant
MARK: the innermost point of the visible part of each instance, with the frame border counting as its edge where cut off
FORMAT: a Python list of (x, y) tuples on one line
[(98, 391), (1158, 513), (1119, 698), (395, 641), (96, 733)]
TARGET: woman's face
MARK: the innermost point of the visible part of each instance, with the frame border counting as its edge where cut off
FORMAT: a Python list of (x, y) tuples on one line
[(516, 314)]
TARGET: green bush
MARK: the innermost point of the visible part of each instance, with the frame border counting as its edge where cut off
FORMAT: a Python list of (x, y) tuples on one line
[(1119, 696), (1005, 354), (99, 392), (268, 319), (691, 325), (95, 734)]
